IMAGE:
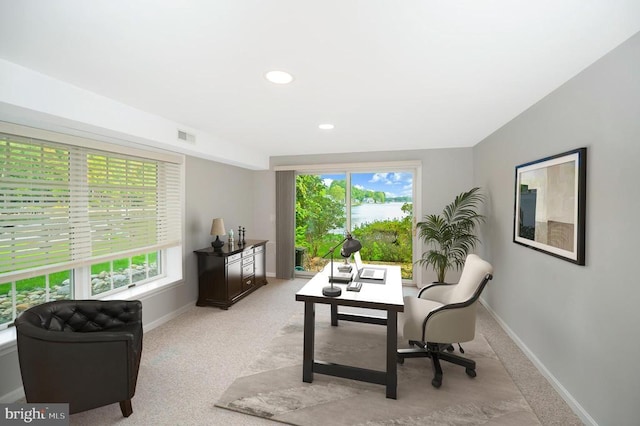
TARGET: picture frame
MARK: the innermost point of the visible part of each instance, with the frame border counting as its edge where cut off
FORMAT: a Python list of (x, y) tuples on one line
[(550, 205)]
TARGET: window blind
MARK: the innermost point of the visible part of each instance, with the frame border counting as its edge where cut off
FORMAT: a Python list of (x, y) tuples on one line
[(63, 206)]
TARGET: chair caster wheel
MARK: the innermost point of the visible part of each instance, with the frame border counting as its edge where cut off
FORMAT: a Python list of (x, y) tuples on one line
[(450, 348), (436, 383), (470, 372)]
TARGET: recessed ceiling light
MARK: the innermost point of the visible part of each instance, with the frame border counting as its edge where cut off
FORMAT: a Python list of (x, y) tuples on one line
[(279, 77), (326, 126)]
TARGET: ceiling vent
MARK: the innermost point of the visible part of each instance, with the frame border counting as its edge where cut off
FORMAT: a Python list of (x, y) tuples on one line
[(187, 137)]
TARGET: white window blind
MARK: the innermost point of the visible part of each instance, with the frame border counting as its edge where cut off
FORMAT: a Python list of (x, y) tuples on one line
[(64, 206)]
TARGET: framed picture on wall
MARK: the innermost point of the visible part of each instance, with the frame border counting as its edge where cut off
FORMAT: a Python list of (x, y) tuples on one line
[(550, 205)]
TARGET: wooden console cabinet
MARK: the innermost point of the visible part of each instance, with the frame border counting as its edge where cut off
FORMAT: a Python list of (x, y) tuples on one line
[(230, 273)]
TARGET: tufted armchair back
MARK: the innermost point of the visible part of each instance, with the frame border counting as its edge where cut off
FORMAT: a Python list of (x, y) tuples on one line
[(83, 315), (82, 352)]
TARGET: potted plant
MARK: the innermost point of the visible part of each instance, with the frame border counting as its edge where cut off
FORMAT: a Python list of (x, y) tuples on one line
[(451, 235)]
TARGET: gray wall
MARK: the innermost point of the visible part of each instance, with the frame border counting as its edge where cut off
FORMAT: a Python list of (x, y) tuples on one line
[(445, 173), (264, 218), (580, 323), (216, 190)]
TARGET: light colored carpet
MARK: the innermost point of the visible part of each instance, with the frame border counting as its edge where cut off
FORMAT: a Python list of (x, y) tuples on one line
[(272, 386), (189, 363)]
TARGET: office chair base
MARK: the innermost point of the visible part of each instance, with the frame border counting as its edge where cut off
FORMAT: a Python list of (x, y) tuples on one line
[(436, 352)]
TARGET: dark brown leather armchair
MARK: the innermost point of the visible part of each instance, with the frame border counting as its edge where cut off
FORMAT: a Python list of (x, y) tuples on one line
[(82, 352)]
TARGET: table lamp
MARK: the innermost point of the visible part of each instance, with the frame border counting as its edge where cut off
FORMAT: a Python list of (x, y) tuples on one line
[(217, 229), (351, 245)]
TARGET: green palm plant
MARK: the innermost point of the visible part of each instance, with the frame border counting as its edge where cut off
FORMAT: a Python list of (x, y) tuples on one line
[(451, 235)]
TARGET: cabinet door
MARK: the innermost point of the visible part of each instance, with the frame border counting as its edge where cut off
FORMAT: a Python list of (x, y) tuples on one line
[(212, 285), (234, 278), (259, 265)]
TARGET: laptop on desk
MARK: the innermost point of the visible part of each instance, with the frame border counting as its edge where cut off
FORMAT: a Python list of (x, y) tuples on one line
[(368, 273)]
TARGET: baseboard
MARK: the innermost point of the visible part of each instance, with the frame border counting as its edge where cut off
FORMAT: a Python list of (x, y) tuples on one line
[(13, 396), (168, 317), (562, 391)]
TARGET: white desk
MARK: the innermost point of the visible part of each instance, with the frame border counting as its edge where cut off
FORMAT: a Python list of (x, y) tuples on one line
[(387, 297)]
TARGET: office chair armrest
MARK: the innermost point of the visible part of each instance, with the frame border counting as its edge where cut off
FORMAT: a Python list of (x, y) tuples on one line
[(437, 291)]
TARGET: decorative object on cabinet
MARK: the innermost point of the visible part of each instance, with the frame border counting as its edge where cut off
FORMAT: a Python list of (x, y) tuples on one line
[(230, 273), (550, 205), (217, 229), (230, 240)]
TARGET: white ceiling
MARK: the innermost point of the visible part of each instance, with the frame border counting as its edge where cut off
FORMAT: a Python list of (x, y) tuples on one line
[(407, 74)]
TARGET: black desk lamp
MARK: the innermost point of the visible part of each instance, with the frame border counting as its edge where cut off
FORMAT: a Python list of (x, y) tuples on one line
[(350, 246)]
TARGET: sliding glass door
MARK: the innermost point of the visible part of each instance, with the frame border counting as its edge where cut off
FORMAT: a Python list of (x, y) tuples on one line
[(376, 207), (382, 216)]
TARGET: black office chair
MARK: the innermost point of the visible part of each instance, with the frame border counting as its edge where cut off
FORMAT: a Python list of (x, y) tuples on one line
[(82, 352), (444, 314)]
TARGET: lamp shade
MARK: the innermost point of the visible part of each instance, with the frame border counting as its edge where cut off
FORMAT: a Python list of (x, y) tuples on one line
[(350, 246), (217, 227)]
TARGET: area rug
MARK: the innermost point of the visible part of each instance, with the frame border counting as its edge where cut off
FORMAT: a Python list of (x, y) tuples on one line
[(272, 386)]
